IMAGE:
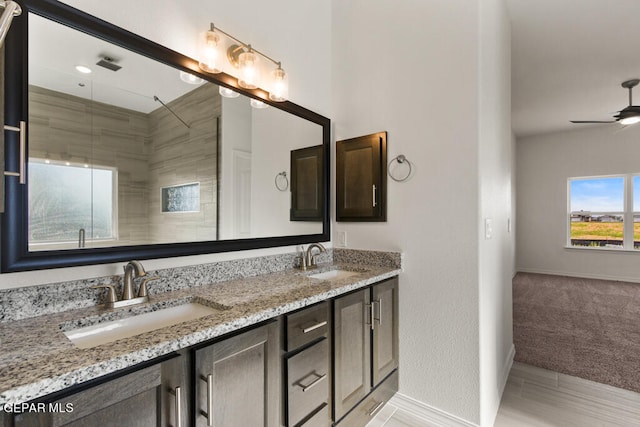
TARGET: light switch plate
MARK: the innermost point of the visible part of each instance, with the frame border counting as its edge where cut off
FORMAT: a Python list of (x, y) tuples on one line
[(342, 239), (488, 228)]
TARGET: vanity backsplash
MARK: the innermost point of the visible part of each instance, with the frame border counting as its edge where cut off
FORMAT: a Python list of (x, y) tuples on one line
[(32, 301)]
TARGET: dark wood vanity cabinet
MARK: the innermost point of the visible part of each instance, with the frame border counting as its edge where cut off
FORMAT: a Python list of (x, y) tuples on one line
[(365, 352), (334, 362), (307, 174), (145, 397), (361, 178), (238, 380), (307, 361)]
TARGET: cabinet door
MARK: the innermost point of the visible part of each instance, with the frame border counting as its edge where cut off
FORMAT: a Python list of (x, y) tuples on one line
[(361, 176), (352, 367), (307, 174), (130, 400), (237, 380), (176, 384), (385, 329)]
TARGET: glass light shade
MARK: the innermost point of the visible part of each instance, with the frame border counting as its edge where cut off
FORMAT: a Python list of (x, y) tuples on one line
[(258, 104), (249, 72), (227, 93), (280, 91), (190, 78), (630, 120), (210, 55)]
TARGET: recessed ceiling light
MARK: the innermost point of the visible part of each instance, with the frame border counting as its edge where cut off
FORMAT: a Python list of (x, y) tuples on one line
[(83, 69)]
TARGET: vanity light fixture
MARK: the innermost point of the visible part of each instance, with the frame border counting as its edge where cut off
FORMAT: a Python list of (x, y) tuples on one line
[(228, 93), (245, 59), (11, 10)]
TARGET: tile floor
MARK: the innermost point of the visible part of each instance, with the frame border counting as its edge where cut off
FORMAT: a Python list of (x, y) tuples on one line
[(538, 397)]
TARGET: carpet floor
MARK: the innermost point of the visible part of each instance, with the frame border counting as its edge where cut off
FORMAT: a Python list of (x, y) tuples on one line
[(582, 327)]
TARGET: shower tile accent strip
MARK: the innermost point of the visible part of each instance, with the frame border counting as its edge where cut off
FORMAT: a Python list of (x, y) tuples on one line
[(37, 359)]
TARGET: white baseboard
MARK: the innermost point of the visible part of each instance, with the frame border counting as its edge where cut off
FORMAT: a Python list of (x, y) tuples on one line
[(581, 275), (439, 417), (506, 369), (428, 413)]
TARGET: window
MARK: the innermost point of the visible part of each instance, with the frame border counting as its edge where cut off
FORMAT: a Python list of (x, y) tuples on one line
[(65, 198), (604, 212)]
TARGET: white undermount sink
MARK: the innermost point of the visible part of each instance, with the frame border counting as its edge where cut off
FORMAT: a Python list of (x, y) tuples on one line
[(333, 274), (113, 330)]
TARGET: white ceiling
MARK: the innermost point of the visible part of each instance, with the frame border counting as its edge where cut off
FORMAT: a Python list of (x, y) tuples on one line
[(568, 60), (55, 50)]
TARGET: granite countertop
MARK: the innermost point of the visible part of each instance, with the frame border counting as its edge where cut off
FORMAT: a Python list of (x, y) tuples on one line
[(36, 358)]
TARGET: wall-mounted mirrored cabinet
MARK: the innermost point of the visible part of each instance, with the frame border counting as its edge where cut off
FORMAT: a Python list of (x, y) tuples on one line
[(133, 153)]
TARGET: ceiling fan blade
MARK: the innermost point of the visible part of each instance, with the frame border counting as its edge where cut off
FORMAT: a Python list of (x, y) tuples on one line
[(591, 121)]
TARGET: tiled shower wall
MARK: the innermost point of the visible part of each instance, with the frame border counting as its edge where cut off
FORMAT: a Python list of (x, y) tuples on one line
[(148, 150)]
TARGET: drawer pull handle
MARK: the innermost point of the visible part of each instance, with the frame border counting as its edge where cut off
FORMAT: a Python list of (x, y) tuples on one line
[(209, 414), (178, 394), (376, 409), (314, 327), (314, 383)]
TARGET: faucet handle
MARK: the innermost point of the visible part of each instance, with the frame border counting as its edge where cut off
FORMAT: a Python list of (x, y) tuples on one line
[(111, 294), (143, 291)]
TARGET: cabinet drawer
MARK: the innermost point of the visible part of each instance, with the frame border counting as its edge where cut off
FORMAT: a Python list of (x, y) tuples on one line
[(307, 381), (371, 405), (307, 325), (319, 419)]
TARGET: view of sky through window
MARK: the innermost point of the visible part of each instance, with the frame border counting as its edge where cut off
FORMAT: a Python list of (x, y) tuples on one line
[(600, 194)]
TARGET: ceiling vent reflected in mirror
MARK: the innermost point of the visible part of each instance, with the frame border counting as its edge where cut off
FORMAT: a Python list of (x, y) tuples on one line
[(108, 63)]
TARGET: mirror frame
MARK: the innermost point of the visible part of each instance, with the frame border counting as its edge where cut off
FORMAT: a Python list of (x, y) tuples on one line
[(15, 251)]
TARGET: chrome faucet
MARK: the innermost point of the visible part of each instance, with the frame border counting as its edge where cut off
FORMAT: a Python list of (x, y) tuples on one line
[(132, 270), (309, 258)]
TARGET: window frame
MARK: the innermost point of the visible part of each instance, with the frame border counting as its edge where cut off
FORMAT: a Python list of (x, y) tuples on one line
[(627, 214)]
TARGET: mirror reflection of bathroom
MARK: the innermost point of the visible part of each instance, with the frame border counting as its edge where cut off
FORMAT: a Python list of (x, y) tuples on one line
[(125, 150)]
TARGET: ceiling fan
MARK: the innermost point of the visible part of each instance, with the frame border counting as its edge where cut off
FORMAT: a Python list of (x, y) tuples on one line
[(628, 115)]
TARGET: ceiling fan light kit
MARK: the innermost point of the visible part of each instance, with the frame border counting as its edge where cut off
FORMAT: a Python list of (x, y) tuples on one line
[(627, 116)]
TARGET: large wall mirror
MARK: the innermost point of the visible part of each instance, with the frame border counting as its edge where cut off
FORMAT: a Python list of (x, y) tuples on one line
[(142, 157)]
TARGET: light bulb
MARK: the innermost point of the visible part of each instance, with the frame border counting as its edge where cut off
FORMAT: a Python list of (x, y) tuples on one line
[(228, 93), (209, 60), (280, 91), (190, 78), (258, 104), (630, 120), (249, 74)]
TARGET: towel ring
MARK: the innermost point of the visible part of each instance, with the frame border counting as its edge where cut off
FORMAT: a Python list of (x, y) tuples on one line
[(401, 159), (282, 182)]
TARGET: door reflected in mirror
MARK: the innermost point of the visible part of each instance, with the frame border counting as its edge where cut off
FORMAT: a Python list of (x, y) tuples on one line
[(131, 154)]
